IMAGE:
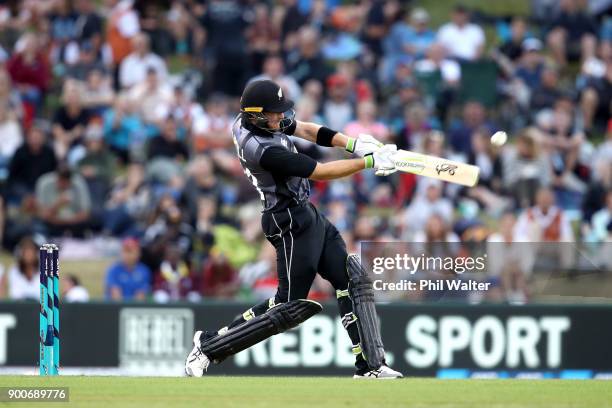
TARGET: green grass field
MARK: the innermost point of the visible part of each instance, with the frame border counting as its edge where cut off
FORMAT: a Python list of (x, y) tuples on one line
[(220, 392)]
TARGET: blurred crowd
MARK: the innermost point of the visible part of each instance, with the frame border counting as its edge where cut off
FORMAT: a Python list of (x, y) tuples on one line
[(115, 121)]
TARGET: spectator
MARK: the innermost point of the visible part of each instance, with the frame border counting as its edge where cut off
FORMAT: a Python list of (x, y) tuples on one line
[(22, 280), (428, 201), (379, 18), (437, 65), (509, 260), (182, 28), (30, 161), (97, 166), (366, 123), (89, 60), (343, 44), (525, 168), (460, 134), (260, 275), (512, 48), (124, 130), (544, 222), (405, 93), (11, 139), (135, 66), (98, 94), (128, 279), (263, 37), (547, 93), (72, 290), (564, 144), (185, 110), (601, 181), (152, 96), (220, 279), (434, 60), (415, 127), (69, 121), (9, 96), (212, 129), (313, 89), (572, 33), (436, 229), (64, 203), (306, 62), (529, 70), (462, 39), (595, 99), (122, 26), (30, 73), (225, 23), (294, 17), (417, 40), (548, 225), (63, 31), (202, 182), (155, 23), (207, 218), (407, 41), (598, 229), (128, 203), (168, 226), (174, 280), (532, 62), (488, 192), (274, 70), (89, 23), (167, 144), (338, 110)]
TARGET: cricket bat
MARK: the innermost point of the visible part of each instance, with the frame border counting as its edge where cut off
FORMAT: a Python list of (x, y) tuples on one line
[(436, 167)]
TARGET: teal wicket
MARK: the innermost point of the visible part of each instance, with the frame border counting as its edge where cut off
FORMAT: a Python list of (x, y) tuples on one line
[(49, 345)]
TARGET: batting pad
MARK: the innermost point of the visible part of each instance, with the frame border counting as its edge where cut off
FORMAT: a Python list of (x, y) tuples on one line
[(280, 318), (362, 296)]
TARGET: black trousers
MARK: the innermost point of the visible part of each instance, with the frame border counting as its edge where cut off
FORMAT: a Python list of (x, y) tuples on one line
[(307, 243)]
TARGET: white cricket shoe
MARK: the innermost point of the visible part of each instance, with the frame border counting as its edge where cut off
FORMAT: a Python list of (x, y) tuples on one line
[(382, 373), (196, 362)]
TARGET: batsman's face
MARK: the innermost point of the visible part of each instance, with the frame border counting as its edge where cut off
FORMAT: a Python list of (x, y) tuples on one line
[(274, 119)]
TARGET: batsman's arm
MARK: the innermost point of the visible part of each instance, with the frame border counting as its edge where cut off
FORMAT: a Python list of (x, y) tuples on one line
[(321, 135), (338, 169), (289, 164)]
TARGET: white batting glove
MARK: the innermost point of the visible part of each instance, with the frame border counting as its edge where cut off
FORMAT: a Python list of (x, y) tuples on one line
[(381, 160), (364, 144)]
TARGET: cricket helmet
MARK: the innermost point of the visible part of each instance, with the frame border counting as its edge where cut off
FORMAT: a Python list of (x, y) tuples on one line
[(266, 96)]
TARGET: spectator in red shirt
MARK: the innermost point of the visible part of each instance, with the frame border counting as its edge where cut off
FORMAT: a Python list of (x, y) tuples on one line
[(30, 72), (220, 280)]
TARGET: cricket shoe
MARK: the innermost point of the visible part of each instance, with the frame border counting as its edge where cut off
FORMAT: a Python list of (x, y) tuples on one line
[(382, 373), (196, 362)]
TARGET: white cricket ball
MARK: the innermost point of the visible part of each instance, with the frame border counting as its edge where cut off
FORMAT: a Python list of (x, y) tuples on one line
[(499, 138)]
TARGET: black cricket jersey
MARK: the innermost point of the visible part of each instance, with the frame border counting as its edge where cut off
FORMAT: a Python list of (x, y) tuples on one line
[(273, 165)]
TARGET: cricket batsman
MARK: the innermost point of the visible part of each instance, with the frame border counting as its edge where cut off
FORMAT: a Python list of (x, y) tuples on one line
[(306, 242)]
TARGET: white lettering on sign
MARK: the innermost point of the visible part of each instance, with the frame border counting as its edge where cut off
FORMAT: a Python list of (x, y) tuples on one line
[(490, 342), (7, 322)]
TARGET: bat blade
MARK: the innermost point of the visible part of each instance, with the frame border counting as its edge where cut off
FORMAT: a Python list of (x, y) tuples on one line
[(436, 167)]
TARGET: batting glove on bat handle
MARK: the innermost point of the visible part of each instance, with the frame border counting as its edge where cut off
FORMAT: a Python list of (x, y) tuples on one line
[(381, 160), (363, 145)]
